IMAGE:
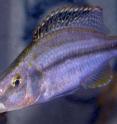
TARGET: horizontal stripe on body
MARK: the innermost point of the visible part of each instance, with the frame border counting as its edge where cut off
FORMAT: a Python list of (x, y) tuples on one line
[(71, 73), (59, 54)]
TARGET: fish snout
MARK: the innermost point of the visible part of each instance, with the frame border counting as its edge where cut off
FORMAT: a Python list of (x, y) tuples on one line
[(2, 98), (2, 107), (1, 92)]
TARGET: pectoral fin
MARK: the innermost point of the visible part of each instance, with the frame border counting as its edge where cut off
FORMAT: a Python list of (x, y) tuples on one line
[(99, 78)]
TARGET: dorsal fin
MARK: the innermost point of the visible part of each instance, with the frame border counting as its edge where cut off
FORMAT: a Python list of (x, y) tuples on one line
[(89, 17)]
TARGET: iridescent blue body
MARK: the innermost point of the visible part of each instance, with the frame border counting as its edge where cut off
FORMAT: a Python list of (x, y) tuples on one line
[(70, 49)]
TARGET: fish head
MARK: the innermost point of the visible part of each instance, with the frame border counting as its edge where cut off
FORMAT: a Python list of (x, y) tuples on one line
[(16, 89)]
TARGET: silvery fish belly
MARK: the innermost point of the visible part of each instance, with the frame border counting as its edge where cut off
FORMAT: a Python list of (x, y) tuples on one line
[(71, 48)]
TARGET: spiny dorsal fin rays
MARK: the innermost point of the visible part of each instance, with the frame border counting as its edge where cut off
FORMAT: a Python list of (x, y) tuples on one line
[(71, 16)]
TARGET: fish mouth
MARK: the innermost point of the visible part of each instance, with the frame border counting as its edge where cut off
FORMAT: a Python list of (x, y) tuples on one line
[(2, 108)]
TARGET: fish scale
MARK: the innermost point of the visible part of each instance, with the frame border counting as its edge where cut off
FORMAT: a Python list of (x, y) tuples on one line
[(75, 70), (78, 48), (83, 63)]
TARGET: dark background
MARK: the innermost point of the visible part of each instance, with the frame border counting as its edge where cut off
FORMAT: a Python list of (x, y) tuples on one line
[(17, 21)]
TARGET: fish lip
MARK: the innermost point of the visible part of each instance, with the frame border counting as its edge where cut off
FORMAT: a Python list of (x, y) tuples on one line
[(2, 107)]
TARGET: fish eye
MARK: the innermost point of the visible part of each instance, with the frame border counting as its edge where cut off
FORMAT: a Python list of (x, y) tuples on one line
[(16, 81)]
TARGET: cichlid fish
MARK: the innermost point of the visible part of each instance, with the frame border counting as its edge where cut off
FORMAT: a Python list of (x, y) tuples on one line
[(70, 48)]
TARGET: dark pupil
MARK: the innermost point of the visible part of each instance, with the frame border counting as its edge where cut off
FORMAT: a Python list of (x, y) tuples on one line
[(17, 82)]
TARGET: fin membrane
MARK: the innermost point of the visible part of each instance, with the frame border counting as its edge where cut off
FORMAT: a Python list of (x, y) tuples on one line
[(99, 78), (71, 16)]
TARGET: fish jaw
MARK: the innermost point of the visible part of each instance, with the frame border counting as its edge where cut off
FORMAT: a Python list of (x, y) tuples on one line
[(2, 108), (6, 106), (19, 96), (16, 101)]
